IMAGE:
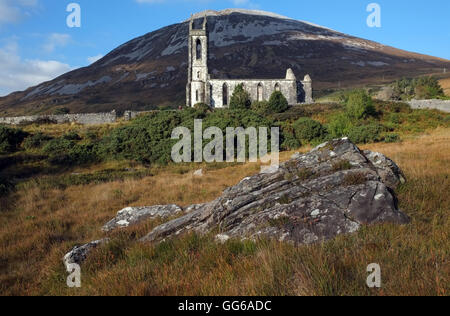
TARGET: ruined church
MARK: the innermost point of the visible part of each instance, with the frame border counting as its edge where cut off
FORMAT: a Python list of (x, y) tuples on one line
[(216, 93)]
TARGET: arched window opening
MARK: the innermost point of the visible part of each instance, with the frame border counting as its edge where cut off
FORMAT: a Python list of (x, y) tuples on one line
[(196, 95), (198, 75), (277, 87), (260, 92), (198, 49), (225, 94)]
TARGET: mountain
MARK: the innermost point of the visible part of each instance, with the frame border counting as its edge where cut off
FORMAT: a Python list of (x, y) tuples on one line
[(151, 70)]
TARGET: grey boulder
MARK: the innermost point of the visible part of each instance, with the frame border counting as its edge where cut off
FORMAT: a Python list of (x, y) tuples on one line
[(80, 253), (333, 190), (131, 216)]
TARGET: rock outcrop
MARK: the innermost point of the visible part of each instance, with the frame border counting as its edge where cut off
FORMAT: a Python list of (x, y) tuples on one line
[(131, 216), (79, 253), (333, 190)]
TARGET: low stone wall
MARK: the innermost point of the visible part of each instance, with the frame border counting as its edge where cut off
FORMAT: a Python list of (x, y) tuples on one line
[(442, 105), (85, 119), (129, 115)]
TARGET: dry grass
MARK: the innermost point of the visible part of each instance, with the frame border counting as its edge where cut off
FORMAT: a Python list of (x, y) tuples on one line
[(40, 225), (445, 84)]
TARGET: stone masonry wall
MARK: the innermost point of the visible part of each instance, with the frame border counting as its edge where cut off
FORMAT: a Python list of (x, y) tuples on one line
[(287, 87), (442, 105), (85, 119)]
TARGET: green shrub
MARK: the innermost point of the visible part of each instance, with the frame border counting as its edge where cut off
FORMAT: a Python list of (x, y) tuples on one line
[(147, 139), (359, 105), (36, 141), (394, 118), (308, 130), (62, 151), (278, 103), (10, 139), (340, 125), (240, 98), (288, 139), (392, 138), (364, 134), (261, 107), (202, 107), (72, 136)]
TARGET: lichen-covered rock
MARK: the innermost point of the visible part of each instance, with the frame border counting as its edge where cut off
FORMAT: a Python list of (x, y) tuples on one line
[(388, 170), (131, 216), (79, 253), (333, 190)]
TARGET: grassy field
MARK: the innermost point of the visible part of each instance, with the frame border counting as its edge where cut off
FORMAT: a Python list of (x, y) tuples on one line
[(40, 223)]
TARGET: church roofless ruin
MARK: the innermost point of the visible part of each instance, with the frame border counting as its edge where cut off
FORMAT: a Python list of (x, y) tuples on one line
[(217, 92)]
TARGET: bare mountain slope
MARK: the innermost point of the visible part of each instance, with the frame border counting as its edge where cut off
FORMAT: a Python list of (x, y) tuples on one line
[(151, 70)]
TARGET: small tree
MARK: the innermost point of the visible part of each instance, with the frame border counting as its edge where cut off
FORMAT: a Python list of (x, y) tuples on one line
[(278, 103), (240, 98), (308, 130), (360, 105)]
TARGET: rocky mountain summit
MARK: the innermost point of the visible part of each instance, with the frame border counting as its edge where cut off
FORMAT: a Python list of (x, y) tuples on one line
[(151, 70), (334, 189)]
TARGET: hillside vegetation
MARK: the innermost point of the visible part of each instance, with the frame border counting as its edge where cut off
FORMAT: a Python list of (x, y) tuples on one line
[(41, 223), (60, 183)]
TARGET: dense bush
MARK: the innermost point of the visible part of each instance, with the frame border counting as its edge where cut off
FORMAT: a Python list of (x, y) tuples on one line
[(240, 98), (261, 107), (359, 105), (392, 107), (202, 107), (72, 136), (62, 151), (364, 134), (288, 139), (10, 139), (340, 125), (278, 103), (36, 141), (391, 138), (308, 130), (148, 138)]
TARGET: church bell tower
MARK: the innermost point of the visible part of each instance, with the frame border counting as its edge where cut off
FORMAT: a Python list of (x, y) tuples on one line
[(196, 90)]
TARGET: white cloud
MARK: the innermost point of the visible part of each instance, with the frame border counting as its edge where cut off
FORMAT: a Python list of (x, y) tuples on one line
[(93, 59), (56, 40), (12, 11), (18, 74)]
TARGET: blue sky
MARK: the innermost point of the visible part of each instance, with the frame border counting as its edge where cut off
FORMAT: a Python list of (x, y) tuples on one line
[(37, 45)]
